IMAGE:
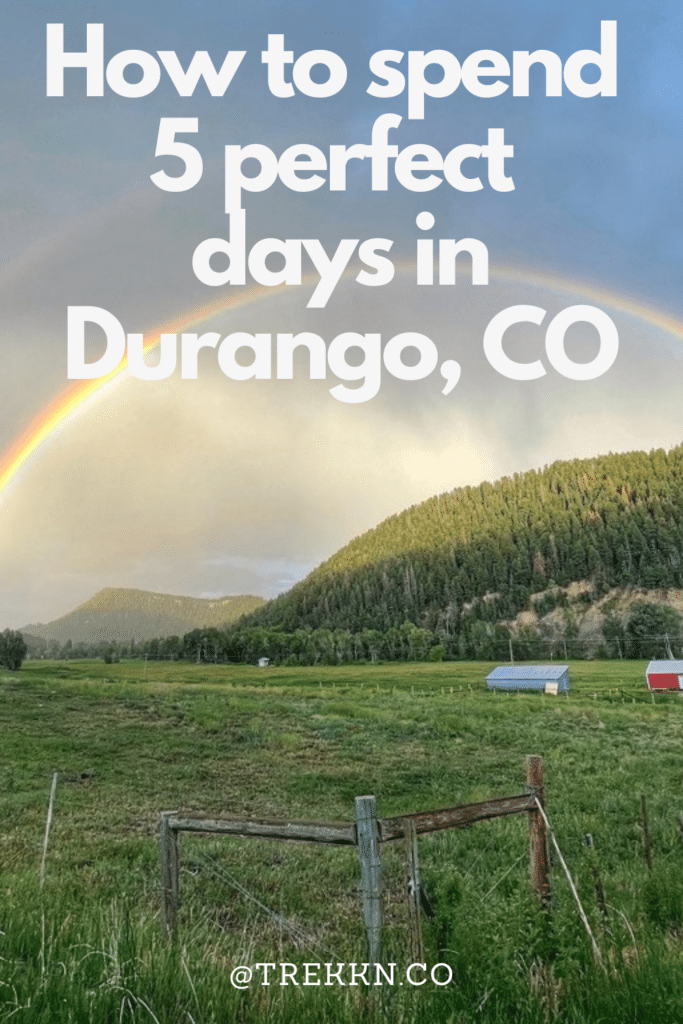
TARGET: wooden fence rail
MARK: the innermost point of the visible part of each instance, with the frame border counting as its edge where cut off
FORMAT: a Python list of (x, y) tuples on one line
[(367, 833), (334, 833), (455, 817)]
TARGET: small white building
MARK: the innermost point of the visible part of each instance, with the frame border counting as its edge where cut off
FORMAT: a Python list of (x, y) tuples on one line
[(263, 662)]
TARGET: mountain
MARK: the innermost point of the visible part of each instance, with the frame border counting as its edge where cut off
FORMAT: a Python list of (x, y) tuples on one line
[(480, 553), (123, 614)]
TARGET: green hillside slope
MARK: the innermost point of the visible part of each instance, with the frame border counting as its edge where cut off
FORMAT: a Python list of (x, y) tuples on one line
[(123, 614)]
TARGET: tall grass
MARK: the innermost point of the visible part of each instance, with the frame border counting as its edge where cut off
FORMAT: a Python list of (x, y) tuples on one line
[(510, 962)]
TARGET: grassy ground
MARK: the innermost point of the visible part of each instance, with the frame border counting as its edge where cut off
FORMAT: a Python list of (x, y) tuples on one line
[(131, 740)]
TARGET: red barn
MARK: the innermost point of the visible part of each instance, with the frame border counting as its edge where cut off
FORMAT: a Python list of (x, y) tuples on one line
[(664, 675)]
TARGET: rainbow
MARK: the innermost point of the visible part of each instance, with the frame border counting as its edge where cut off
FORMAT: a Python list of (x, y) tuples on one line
[(71, 398)]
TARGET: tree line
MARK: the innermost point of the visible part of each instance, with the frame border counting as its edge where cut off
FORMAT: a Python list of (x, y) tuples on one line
[(650, 631)]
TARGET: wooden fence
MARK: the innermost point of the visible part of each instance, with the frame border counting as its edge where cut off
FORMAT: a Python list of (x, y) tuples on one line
[(367, 833)]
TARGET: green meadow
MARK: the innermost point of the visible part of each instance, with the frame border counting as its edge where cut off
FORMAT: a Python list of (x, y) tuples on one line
[(133, 739)]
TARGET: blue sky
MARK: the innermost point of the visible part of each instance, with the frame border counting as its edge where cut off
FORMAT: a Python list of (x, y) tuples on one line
[(218, 486)]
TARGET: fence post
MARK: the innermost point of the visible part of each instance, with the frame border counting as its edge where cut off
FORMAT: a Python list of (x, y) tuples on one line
[(168, 840), (371, 873), (414, 893), (539, 858)]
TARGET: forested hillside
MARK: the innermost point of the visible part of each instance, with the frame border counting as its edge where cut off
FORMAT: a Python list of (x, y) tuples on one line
[(478, 553), (118, 613)]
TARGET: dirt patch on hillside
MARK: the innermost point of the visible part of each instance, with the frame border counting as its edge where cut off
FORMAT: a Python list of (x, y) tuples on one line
[(578, 612)]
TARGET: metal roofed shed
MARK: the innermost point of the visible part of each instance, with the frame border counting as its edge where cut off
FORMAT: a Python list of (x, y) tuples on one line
[(529, 677), (664, 675)]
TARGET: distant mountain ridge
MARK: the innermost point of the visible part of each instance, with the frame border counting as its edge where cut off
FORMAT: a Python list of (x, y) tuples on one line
[(119, 613)]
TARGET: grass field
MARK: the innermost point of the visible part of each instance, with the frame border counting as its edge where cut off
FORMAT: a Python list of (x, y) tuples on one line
[(132, 739)]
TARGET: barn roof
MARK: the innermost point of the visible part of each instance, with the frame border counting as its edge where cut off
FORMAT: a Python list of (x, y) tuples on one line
[(675, 667), (528, 672)]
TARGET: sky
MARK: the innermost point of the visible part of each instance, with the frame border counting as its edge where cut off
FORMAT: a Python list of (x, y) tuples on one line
[(215, 486)]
